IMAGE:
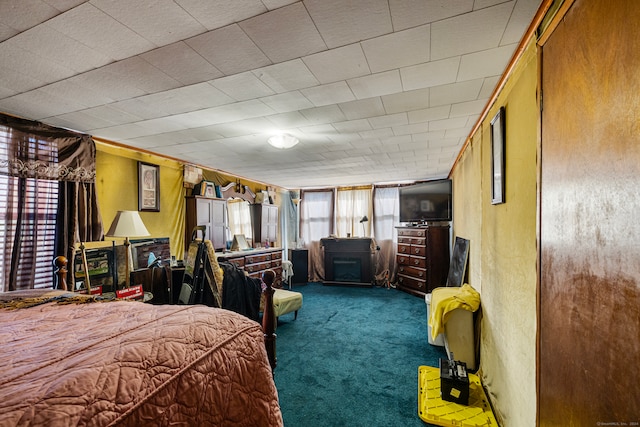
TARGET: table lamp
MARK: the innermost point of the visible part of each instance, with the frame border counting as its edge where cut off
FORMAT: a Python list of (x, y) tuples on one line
[(127, 224)]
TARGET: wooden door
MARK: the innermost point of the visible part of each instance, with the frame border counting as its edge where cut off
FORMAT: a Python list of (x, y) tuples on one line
[(589, 334)]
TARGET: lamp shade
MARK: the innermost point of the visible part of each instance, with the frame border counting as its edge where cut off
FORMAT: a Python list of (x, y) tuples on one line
[(364, 219), (127, 224), (283, 141)]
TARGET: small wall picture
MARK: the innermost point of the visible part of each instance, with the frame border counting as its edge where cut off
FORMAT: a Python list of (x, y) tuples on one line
[(497, 157), (148, 187)]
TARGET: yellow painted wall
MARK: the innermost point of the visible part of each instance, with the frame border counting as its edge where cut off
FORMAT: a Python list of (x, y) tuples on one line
[(117, 189), (503, 248)]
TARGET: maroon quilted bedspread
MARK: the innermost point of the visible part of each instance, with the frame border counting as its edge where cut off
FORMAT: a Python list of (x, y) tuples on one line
[(133, 364)]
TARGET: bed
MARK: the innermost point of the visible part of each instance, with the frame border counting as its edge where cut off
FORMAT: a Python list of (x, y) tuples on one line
[(77, 360)]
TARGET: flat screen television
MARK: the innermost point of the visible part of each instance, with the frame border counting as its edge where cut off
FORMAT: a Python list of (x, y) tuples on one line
[(425, 202)]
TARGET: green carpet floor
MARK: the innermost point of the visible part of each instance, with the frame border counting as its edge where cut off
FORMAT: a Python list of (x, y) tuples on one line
[(352, 357)]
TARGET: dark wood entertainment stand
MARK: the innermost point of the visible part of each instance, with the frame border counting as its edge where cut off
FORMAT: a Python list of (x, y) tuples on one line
[(348, 261)]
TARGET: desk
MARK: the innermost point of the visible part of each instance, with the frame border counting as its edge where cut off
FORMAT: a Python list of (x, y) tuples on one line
[(348, 261)]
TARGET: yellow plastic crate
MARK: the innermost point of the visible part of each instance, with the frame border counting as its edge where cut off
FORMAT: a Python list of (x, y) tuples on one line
[(432, 409)]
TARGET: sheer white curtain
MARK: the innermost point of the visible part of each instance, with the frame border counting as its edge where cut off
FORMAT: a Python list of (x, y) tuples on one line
[(351, 206), (316, 222), (385, 219), (239, 218)]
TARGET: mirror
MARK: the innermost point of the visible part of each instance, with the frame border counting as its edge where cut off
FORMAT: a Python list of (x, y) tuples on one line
[(239, 214)]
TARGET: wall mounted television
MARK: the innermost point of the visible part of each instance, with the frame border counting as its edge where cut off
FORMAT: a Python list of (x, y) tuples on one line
[(429, 201)]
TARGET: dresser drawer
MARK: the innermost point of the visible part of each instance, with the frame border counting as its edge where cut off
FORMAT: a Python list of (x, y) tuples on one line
[(254, 259), (411, 232), (252, 268), (412, 282), (418, 250), (419, 273), (237, 261), (404, 249)]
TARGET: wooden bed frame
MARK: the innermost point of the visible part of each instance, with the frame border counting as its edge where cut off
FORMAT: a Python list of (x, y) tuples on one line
[(268, 316)]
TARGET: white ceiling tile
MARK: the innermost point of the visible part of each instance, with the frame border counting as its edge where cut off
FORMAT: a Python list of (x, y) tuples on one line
[(288, 120), (333, 93), (377, 133), (253, 126), (353, 126), (219, 13), (70, 88), (411, 129), (519, 21), (229, 50), (488, 85), (445, 124), (490, 62), (111, 115), (140, 74), (22, 15), (376, 84), (288, 101), (406, 101), (159, 21), (23, 68), (338, 64), (89, 121), (411, 13), (118, 133), (427, 114), (284, 34), (326, 114), (363, 108), (433, 73), (242, 86), (161, 125), (428, 136), (478, 30), (408, 47), (342, 23), (45, 104), (455, 92), (391, 120), (97, 30), (287, 76), (56, 47), (182, 63), (468, 108)]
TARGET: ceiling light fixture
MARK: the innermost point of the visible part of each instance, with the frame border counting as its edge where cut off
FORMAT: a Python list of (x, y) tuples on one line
[(283, 141)]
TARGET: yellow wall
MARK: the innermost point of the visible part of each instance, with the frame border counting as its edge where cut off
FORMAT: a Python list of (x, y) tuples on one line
[(503, 249), (117, 189)]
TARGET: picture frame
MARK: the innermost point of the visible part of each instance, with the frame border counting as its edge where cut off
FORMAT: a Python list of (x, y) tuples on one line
[(498, 157), (148, 187)]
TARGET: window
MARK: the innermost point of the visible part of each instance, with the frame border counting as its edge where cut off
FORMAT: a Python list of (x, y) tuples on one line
[(351, 206), (27, 221), (239, 218), (316, 215)]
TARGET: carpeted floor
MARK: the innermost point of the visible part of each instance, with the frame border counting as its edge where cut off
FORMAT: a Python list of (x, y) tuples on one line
[(352, 357)]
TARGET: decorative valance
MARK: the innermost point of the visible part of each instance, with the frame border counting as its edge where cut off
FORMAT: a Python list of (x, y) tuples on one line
[(37, 150)]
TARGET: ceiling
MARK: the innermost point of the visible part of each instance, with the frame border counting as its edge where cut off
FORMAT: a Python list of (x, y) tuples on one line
[(377, 91)]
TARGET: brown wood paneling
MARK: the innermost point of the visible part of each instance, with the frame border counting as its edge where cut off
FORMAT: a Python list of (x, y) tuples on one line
[(590, 170)]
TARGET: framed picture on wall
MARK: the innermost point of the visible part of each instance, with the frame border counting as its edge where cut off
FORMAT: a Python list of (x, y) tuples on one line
[(497, 157), (148, 187)]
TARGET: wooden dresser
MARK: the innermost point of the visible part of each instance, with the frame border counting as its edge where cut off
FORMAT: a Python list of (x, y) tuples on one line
[(423, 258), (256, 261)]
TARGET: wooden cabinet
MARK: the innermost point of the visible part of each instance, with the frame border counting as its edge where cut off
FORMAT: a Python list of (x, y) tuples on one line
[(300, 260), (209, 212), (423, 258), (256, 261), (264, 220)]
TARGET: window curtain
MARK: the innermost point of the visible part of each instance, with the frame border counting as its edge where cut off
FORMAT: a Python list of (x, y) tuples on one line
[(386, 217), (239, 218), (36, 156), (316, 222), (351, 206)]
